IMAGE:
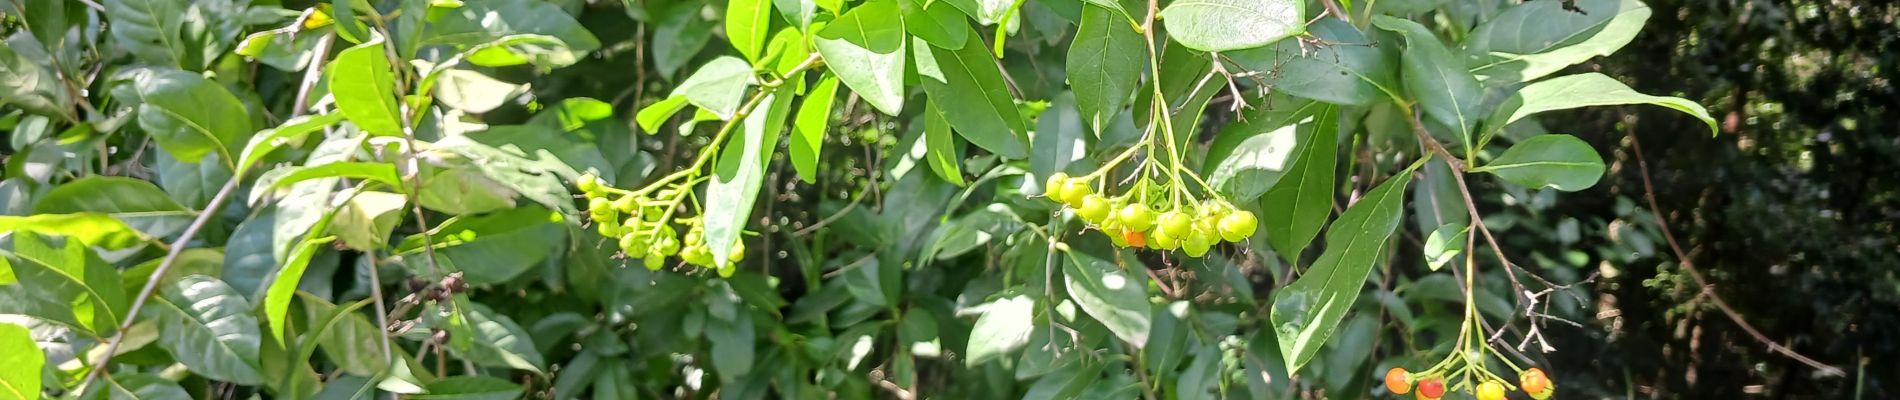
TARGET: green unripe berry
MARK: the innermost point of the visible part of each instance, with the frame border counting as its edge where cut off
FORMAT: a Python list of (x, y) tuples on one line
[(625, 204), (599, 206), (1204, 233), (1053, 186), (1176, 223), (667, 245), (726, 271), (697, 255), (1161, 240), (1074, 191), (1094, 208), (737, 253), (587, 184), (1195, 248), (1238, 225), (654, 262), (1136, 217)]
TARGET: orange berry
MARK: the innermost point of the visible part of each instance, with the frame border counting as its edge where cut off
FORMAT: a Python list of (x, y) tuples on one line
[(1397, 381), (1534, 381), (1135, 239), (1431, 389)]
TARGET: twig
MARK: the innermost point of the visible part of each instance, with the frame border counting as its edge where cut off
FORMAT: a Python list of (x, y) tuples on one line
[(1682, 259)]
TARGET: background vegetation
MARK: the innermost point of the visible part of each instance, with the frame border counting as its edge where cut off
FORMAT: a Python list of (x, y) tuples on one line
[(297, 199)]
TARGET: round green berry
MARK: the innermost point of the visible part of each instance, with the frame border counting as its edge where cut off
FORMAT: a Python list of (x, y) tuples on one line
[(1136, 217), (654, 261), (1238, 225), (1053, 186), (1176, 223), (1074, 191), (1094, 208), (1161, 240)]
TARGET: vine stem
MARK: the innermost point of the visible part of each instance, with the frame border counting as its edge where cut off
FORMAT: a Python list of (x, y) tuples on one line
[(1708, 290)]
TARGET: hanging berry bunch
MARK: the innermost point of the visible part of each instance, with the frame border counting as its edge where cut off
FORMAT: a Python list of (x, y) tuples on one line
[(1466, 365), (1152, 214), (644, 222)]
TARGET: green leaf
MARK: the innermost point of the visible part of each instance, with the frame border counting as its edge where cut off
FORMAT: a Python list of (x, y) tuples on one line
[(291, 131), (1065, 383), (969, 87), (482, 22), (741, 172), (1223, 25), (489, 248), (936, 22), (172, 33), (31, 86), (490, 339), (1003, 328), (1251, 155), (1116, 297), (20, 363), (1444, 90), (941, 146), (808, 128), (472, 388), (284, 287), (866, 51), (192, 184), (734, 344), (1444, 244), (365, 88), (523, 160), (1104, 65), (209, 327), (188, 115), (1563, 162), (194, 261), (346, 337), (1296, 208), (144, 387), (284, 179), (747, 22), (1577, 91), (1349, 71), (473, 92), (366, 220), (138, 203), (717, 86), (1059, 140), (651, 117), (91, 228), (1533, 39), (1306, 312), (986, 12), (681, 33)]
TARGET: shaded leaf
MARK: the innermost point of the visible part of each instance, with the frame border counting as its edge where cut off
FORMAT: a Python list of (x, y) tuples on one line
[(1577, 91), (1223, 25), (969, 88), (208, 327), (1437, 81), (1562, 162), (490, 248), (1115, 297), (1104, 65), (187, 115), (1350, 70), (808, 128), (1533, 39), (1306, 312), (472, 388)]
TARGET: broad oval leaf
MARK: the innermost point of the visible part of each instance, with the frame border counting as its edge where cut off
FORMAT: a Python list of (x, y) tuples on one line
[(1444, 90), (487, 338), (747, 22), (345, 336), (365, 88), (489, 248), (717, 86), (741, 172), (1563, 162), (145, 387), (866, 50), (477, 23), (1306, 312), (1350, 70), (209, 327), (20, 363), (1117, 298), (1297, 207), (969, 87), (1003, 328), (188, 115), (282, 289), (1533, 39), (808, 128), (1223, 25), (291, 131), (1104, 65), (938, 23), (471, 388), (91, 228), (140, 204), (1251, 155)]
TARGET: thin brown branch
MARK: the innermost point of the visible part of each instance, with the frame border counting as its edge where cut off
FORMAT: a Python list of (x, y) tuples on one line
[(1682, 259)]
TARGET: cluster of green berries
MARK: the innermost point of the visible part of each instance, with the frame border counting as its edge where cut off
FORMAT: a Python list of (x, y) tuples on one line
[(1130, 222), (641, 225), (1533, 381)]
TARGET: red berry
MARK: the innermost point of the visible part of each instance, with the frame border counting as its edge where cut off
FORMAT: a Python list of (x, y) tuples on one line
[(1431, 389)]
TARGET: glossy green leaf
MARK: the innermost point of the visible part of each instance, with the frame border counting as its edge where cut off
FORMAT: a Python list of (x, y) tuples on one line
[(1060, 140), (365, 88), (173, 33), (1577, 91), (1223, 25), (284, 287), (1444, 90), (941, 147), (20, 363), (936, 22), (653, 116), (290, 132), (1066, 383), (1562, 162), (187, 115), (489, 248), (191, 184), (1444, 244), (969, 87), (480, 22), (345, 335), (144, 387), (1350, 70), (91, 228), (1306, 312), (718, 86), (1105, 63), (1296, 207), (472, 91), (1250, 156), (472, 388), (1116, 297), (681, 33), (1003, 328), (26, 84), (1533, 39), (809, 128), (740, 173), (734, 344), (366, 220), (747, 22), (491, 339), (986, 12), (866, 51), (209, 327), (139, 204), (283, 179)]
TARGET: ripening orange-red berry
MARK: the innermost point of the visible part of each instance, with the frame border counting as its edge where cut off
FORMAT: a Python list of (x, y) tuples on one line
[(1534, 381), (1135, 239), (1431, 389), (1397, 381)]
